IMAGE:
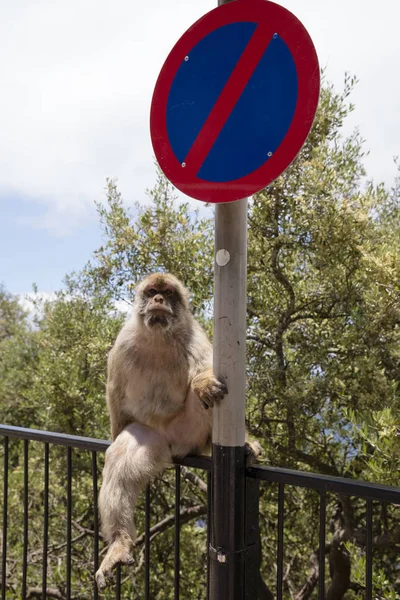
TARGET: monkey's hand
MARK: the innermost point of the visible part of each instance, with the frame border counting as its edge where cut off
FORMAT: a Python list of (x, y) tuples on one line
[(208, 388)]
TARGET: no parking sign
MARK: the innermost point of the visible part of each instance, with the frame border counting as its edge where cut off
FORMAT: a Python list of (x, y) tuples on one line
[(235, 100)]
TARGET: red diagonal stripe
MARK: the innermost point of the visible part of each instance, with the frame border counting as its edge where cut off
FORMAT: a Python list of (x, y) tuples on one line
[(228, 98)]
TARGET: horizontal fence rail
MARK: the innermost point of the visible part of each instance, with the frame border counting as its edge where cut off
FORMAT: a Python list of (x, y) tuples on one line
[(86, 443), (322, 485), (327, 483), (341, 485)]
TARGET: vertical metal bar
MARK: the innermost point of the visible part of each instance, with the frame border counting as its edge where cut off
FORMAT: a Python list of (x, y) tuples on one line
[(368, 566), (118, 583), (95, 523), (281, 516), (228, 470), (5, 513), (177, 531), (26, 517), (322, 542), (252, 566), (69, 519), (147, 545), (45, 521), (208, 532)]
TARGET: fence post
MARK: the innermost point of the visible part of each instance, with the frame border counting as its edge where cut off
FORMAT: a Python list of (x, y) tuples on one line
[(252, 562)]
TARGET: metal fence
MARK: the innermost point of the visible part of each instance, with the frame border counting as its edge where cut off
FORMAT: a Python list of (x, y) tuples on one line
[(254, 586)]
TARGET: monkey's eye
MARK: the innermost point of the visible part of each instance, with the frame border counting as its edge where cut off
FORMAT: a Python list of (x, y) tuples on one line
[(152, 292), (168, 292)]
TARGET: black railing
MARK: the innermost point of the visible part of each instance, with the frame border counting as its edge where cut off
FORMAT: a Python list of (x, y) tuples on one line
[(94, 446), (281, 479), (341, 486)]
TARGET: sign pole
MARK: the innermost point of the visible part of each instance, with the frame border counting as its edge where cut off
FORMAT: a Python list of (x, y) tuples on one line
[(228, 475)]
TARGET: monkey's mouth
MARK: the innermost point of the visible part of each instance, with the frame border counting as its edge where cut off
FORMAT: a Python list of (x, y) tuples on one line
[(159, 316)]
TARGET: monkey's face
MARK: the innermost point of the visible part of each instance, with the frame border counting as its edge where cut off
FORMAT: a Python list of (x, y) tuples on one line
[(159, 306)]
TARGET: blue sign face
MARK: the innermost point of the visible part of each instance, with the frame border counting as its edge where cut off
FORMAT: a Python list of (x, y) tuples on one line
[(235, 100), (260, 120)]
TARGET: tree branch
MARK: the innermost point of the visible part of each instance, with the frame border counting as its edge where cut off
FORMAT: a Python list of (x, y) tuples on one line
[(186, 514), (340, 567), (315, 463), (193, 478), (36, 592), (312, 578)]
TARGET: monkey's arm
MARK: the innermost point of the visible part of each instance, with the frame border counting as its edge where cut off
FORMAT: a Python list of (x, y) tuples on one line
[(204, 383), (115, 393), (114, 403)]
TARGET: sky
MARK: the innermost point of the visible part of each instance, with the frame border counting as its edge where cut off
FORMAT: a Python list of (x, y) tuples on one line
[(77, 78)]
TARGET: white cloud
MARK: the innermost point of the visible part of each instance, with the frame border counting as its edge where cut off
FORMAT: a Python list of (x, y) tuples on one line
[(77, 79)]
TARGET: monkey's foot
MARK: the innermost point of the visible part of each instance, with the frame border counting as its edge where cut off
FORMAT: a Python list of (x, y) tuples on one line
[(117, 554), (252, 451)]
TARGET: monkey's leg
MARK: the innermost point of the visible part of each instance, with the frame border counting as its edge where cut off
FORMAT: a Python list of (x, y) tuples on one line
[(138, 454)]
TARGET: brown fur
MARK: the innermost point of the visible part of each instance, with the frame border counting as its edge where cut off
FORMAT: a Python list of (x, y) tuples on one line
[(160, 383)]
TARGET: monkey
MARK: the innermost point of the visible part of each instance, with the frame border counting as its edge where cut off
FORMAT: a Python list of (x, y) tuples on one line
[(160, 391)]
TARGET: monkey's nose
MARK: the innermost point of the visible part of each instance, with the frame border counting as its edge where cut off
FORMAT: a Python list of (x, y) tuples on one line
[(159, 299)]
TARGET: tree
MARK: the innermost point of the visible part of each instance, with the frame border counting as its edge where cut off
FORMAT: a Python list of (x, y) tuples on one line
[(75, 336), (323, 352), (18, 353), (323, 328), (12, 316)]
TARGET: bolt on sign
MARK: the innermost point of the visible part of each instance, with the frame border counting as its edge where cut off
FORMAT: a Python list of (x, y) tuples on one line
[(235, 101)]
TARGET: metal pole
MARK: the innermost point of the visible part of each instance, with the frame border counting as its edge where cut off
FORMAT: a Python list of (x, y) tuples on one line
[(228, 476)]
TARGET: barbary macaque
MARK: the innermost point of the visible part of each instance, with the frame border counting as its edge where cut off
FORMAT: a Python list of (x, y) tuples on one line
[(160, 391)]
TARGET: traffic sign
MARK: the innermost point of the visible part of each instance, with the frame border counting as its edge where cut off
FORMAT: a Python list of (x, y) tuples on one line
[(234, 101)]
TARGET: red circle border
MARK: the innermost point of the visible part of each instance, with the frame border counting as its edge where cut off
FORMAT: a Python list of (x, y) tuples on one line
[(294, 34)]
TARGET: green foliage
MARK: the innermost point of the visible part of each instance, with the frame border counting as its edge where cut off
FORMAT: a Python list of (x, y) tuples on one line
[(76, 334), (163, 236), (12, 316), (18, 355), (54, 373), (323, 365), (377, 434), (323, 311)]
